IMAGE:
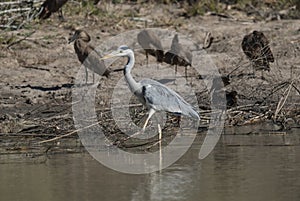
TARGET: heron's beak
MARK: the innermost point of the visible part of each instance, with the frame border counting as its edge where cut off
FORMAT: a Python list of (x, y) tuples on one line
[(107, 56), (110, 55)]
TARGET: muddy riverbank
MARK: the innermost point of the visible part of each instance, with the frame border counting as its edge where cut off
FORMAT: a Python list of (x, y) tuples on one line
[(38, 71)]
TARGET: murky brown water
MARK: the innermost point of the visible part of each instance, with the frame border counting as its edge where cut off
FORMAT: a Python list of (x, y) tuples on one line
[(229, 173)]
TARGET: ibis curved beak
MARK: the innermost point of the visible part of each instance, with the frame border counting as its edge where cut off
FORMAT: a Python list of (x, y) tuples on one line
[(72, 38)]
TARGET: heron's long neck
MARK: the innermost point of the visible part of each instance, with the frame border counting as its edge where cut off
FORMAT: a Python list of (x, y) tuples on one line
[(133, 85)]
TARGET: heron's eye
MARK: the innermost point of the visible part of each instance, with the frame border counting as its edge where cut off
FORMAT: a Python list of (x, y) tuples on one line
[(121, 51)]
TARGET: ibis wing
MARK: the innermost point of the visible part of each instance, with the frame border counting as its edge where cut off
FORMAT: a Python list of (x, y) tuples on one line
[(94, 63)]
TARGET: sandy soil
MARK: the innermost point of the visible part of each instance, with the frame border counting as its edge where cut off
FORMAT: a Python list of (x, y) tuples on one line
[(38, 73)]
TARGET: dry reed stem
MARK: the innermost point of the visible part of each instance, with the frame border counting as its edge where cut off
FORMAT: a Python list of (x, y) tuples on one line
[(283, 99), (68, 134), (20, 40)]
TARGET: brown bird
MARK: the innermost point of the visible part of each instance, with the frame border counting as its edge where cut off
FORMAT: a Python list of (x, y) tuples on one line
[(51, 6), (151, 44), (231, 98), (256, 47), (87, 54), (178, 56)]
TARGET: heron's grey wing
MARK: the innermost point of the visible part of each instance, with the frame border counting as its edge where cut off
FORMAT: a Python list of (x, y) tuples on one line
[(160, 97)]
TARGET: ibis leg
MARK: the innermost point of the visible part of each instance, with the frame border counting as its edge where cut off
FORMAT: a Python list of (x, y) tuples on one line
[(86, 75)]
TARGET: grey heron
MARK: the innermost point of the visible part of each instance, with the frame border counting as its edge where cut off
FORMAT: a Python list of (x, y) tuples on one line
[(51, 6), (256, 47), (151, 44), (87, 55), (154, 95)]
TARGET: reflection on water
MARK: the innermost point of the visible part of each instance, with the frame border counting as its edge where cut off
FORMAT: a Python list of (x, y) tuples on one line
[(229, 173), (176, 183)]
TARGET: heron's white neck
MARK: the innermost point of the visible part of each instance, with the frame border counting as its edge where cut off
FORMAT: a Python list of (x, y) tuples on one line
[(133, 85)]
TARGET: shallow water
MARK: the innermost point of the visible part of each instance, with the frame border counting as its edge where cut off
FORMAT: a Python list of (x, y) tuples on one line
[(232, 173)]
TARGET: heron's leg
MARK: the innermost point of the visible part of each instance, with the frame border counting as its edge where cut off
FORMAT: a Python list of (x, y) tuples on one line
[(151, 112), (159, 132), (160, 150), (93, 77)]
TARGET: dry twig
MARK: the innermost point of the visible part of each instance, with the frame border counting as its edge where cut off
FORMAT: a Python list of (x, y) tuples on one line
[(283, 99), (20, 40), (68, 134)]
